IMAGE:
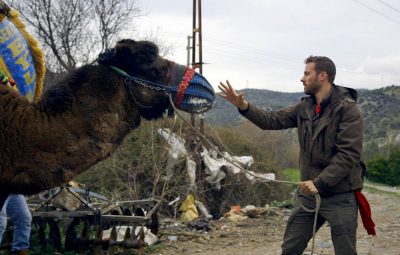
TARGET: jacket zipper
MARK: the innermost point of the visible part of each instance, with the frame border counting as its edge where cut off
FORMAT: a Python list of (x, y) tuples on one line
[(323, 137)]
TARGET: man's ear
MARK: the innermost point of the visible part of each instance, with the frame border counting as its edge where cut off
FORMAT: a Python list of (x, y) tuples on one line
[(323, 76)]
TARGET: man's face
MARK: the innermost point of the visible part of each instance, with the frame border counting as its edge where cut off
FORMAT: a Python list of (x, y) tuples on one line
[(310, 80)]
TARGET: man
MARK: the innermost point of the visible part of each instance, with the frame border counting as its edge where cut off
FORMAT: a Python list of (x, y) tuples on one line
[(17, 210), (330, 132)]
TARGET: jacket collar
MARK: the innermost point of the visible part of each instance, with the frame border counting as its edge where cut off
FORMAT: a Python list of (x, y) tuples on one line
[(330, 104), (335, 96)]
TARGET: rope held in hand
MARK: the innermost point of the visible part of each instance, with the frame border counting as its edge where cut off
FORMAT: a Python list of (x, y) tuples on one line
[(316, 211), (235, 163)]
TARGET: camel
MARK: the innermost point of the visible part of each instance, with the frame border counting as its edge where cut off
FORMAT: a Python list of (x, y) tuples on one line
[(82, 119)]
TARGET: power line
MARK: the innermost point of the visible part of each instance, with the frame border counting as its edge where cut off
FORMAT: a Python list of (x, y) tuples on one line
[(275, 59), (388, 5), (377, 12), (250, 53), (237, 45), (243, 47), (252, 60), (346, 78)]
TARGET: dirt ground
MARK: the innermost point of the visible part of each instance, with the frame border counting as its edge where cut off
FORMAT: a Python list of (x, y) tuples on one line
[(264, 235)]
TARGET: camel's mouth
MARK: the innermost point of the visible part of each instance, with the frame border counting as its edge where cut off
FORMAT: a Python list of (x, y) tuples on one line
[(191, 92)]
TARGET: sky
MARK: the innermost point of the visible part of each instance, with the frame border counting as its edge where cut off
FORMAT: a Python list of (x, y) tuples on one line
[(263, 43)]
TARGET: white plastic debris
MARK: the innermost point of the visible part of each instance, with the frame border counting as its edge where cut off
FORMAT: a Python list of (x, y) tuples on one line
[(173, 238), (174, 201), (244, 161), (248, 208), (253, 177), (177, 149), (213, 169), (177, 143), (191, 171), (211, 161), (202, 208), (149, 237)]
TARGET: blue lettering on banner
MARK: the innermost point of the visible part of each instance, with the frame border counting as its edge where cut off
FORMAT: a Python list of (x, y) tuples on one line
[(16, 54)]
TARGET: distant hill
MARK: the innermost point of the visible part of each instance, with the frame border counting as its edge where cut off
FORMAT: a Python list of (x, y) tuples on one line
[(381, 110), (224, 114), (380, 107)]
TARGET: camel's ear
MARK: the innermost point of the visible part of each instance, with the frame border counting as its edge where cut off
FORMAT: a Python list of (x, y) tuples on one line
[(108, 57)]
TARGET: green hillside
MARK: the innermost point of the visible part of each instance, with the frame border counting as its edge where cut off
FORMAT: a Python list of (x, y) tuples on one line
[(380, 107)]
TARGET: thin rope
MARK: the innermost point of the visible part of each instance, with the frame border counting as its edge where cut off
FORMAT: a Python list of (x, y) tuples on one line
[(237, 164), (316, 211)]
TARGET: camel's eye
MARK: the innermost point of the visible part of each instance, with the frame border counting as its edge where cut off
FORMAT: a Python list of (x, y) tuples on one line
[(154, 72), (158, 73)]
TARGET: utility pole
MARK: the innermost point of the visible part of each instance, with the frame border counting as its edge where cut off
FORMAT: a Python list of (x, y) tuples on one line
[(197, 49), (197, 63), (197, 33), (188, 48)]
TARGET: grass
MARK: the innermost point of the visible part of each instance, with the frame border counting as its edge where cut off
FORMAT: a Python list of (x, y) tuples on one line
[(155, 248), (291, 174)]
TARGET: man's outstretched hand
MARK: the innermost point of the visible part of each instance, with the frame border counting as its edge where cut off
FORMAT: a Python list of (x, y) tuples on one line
[(237, 99)]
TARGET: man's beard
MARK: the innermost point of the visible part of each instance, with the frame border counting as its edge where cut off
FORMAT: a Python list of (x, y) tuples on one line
[(312, 88)]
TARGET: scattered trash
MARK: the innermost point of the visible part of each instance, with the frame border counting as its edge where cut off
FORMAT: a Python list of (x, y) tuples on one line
[(191, 171), (149, 237), (247, 208), (235, 214), (235, 209), (203, 209), (173, 238), (213, 169), (188, 209), (177, 149), (253, 212), (237, 217), (253, 177), (175, 205), (174, 201), (200, 224)]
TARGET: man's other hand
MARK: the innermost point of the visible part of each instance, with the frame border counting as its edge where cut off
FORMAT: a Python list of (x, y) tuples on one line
[(308, 187), (237, 99)]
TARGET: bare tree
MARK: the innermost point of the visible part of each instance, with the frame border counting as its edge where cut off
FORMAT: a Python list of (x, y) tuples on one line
[(157, 36), (113, 16), (71, 30)]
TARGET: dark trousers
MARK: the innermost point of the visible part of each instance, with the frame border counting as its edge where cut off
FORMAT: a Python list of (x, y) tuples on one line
[(340, 211)]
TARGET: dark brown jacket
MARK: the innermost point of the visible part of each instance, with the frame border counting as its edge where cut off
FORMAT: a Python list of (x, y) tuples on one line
[(330, 144)]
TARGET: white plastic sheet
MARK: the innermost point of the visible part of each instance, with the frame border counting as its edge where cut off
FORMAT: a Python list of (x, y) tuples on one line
[(177, 149), (214, 165), (211, 160), (177, 144)]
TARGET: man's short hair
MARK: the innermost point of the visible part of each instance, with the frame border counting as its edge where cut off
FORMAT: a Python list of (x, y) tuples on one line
[(323, 64)]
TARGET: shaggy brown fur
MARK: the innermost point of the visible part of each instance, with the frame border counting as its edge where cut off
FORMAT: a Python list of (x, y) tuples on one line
[(78, 122)]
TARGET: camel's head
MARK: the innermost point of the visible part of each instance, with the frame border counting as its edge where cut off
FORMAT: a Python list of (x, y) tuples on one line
[(150, 79)]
